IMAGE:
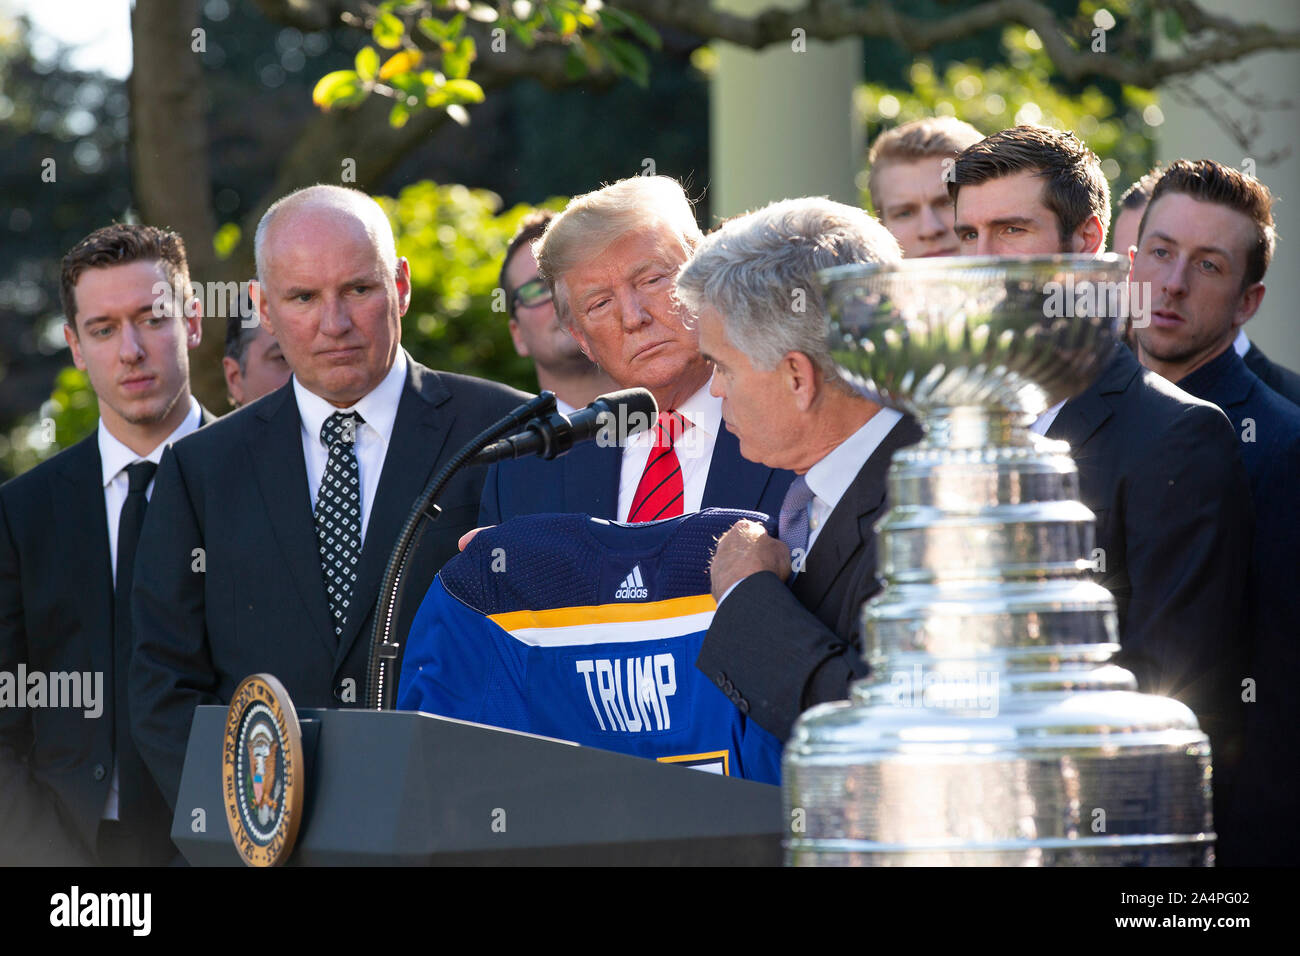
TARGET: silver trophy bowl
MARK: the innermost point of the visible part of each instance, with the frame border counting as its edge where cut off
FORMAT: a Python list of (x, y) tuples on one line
[(992, 729)]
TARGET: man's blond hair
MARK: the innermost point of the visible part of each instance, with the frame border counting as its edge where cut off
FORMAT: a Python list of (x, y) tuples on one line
[(593, 221), (920, 139)]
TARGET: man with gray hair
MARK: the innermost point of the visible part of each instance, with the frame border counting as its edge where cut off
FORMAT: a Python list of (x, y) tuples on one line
[(611, 258), (266, 540), (785, 635)]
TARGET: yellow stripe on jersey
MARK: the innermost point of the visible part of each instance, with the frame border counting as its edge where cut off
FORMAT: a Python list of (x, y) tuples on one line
[(605, 613)]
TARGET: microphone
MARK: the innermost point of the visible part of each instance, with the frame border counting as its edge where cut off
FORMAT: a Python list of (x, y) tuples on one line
[(611, 418)]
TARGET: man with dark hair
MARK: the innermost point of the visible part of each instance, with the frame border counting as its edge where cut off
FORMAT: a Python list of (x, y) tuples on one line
[(254, 364), (1159, 468), (1204, 245), (73, 789), (1132, 205), (1027, 190), (537, 332), (910, 166), (295, 501)]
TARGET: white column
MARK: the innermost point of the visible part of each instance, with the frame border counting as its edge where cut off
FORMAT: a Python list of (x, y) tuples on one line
[(1188, 132), (782, 121)]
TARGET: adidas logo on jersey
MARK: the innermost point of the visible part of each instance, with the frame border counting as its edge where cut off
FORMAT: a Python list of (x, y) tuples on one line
[(632, 587)]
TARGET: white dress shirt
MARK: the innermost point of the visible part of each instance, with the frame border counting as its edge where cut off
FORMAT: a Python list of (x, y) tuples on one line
[(830, 478), (113, 459), (1241, 344), (1044, 421), (694, 451), (378, 408)]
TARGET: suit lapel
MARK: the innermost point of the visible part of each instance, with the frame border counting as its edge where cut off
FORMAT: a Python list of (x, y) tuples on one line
[(1080, 417), (733, 481), (275, 448), (79, 515), (851, 524), (591, 473), (419, 432)]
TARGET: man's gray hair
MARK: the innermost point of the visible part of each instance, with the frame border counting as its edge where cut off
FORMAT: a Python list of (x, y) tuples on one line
[(342, 200), (759, 272), (593, 221)]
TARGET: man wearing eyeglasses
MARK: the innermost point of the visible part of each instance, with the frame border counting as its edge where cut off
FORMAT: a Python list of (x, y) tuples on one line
[(537, 333)]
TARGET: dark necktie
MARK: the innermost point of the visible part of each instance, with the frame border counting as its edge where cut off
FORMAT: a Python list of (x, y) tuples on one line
[(338, 514), (133, 780), (659, 493)]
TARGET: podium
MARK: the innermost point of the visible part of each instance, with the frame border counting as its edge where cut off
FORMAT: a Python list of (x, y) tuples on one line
[(396, 788)]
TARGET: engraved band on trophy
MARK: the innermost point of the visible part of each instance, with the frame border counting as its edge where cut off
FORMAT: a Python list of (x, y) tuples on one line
[(992, 729)]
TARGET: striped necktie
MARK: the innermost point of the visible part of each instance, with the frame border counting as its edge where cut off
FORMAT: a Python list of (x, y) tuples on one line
[(659, 494)]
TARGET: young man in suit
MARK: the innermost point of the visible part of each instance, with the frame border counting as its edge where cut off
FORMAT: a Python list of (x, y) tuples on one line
[(611, 258), (1203, 247), (1159, 468), (270, 531), (774, 649), (908, 182), (73, 789), (1132, 205)]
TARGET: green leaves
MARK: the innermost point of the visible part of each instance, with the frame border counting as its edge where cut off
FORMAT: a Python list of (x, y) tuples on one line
[(341, 88), (388, 31), (367, 63), (597, 38)]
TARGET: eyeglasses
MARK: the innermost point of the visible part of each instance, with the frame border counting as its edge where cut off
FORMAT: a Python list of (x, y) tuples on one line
[(532, 293)]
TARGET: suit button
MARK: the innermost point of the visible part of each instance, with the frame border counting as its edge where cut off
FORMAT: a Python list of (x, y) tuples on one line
[(728, 687), (742, 705), (99, 773)]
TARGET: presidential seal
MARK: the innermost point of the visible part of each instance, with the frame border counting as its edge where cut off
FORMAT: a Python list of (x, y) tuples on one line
[(262, 770)]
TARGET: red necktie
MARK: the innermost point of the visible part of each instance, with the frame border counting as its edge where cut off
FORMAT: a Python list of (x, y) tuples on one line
[(659, 495)]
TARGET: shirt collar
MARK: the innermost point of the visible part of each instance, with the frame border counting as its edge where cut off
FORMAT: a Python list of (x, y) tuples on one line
[(703, 410), (831, 477), (114, 456), (1241, 344), (378, 407)]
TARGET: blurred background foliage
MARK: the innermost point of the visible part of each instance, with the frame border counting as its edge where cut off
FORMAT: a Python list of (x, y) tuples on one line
[(457, 198)]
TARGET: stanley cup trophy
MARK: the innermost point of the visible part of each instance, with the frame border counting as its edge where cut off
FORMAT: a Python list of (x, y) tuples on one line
[(992, 730)]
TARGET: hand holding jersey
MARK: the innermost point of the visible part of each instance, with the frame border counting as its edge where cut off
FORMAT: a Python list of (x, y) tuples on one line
[(586, 630)]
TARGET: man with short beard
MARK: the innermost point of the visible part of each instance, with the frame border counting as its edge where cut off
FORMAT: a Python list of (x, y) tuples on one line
[(1204, 245), (1159, 468)]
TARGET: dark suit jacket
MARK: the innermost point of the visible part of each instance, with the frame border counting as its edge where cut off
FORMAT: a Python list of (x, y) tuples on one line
[(1261, 828), (238, 491), (778, 650), (1281, 380), (1162, 472), (585, 481), (56, 615)]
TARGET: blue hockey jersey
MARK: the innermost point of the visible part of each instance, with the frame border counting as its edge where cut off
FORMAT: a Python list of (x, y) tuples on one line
[(586, 630)]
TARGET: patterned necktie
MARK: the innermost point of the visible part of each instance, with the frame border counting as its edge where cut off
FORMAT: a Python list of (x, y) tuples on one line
[(659, 494), (338, 514), (792, 524), (132, 777)]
